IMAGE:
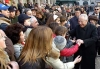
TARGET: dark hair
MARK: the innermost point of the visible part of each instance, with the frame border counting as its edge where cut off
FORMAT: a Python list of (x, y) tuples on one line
[(96, 6), (13, 32), (39, 12), (53, 26), (26, 10), (33, 9), (63, 18), (78, 9), (61, 30)]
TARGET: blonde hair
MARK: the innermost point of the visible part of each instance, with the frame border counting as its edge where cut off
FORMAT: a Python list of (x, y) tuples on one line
[(54, 54), (3, 59), (38, 44)]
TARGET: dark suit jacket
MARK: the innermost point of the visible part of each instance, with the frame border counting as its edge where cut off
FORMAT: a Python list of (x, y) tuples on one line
[(73, 22), (40, 64)]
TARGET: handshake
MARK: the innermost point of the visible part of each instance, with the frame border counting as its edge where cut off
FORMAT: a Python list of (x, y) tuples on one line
[(78, 41)]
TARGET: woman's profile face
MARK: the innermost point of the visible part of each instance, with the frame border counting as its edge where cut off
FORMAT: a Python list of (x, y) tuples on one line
[(22, 36), (39, 15), (58, 20), (2, 42)]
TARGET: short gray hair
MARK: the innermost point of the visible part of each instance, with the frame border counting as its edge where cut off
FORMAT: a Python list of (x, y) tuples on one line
[(84, 16), (32, 19)]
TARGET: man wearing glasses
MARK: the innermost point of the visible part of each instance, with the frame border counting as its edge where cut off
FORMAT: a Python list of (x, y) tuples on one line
[(97, 13)]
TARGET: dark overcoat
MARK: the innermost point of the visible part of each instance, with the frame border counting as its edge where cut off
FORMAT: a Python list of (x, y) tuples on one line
[(73, 22), (87, 50)]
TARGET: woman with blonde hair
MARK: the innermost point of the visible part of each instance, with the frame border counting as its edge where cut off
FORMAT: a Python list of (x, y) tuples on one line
[(3, 55), (5, 62), (37, 46)]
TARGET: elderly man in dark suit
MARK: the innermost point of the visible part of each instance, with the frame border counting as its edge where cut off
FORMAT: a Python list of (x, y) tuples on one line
[(97, 13), (86, 33)]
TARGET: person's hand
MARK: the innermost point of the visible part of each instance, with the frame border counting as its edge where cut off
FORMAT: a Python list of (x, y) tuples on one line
[(72, 41), (79, 43), (77, 59), (13, 65), (79, 40)]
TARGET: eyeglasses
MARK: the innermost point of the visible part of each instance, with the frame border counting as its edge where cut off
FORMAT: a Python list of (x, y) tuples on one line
[(96, 9)]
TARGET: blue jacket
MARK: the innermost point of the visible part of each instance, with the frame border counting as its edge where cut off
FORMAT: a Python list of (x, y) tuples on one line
[(73, 22)]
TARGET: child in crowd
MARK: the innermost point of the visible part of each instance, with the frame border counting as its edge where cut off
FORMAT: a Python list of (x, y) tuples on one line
[(15, 33), (54, 55), (53, 26), (63, 20), (69, 49)]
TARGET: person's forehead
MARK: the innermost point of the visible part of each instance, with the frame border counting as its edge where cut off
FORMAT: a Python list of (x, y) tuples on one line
[(29, 11), (97, 7), (4, 10), (77, 11), (81, 19)]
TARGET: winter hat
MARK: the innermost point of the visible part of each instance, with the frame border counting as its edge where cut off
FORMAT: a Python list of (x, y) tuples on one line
[(12, 9), (22, 18), (55, 17), (60, 42), (3, 7), (93, 17)]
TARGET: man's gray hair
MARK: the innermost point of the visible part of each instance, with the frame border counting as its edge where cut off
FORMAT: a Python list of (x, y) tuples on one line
[(84, 16), (32, 19)]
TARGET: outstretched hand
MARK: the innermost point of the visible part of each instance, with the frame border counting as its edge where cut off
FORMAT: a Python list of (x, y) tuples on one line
[(77, 59), (79, 41)]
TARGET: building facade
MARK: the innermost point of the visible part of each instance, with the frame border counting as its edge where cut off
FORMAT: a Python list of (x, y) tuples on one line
[(32, 1), (98, 2), (79, 2)]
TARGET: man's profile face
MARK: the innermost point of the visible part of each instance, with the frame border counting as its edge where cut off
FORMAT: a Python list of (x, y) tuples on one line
[(5, 13), (12, 14)]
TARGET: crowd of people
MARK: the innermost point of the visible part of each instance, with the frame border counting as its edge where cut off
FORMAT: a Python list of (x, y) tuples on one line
[(48, 37)]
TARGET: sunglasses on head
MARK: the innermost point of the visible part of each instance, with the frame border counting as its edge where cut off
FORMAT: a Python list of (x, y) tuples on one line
[(96, 9)]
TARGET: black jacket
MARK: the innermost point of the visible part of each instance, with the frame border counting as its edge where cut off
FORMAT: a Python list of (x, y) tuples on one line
[(87, 50), (40, 64)]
